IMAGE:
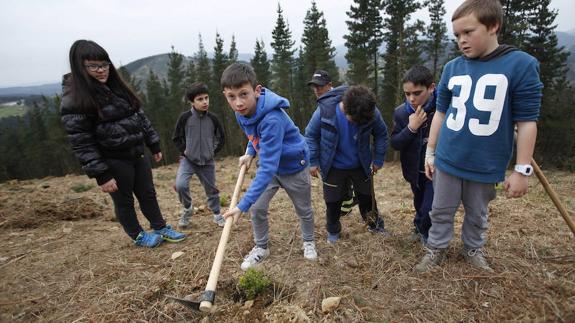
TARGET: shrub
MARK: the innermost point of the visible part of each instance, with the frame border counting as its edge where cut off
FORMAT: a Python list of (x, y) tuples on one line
[(253, 282)]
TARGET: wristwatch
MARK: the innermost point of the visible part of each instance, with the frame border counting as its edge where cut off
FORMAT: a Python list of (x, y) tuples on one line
[(526, 170)]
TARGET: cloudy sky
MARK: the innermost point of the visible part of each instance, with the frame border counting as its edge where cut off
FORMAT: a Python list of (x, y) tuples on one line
[(35, 35)]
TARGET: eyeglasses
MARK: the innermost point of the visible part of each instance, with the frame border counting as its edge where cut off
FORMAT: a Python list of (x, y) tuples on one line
[(95, 67)]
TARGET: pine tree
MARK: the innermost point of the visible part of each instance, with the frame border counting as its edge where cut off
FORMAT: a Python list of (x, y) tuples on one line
[(190, 75), (217, 102), (233, 55), (515, 26), (261, 64), (282, 61), (318, 52), (395, 35), (556, 135), (363, 41), (203, 69), (436, 36)]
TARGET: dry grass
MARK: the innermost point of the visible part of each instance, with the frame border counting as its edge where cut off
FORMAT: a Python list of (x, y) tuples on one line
[(63, 258)]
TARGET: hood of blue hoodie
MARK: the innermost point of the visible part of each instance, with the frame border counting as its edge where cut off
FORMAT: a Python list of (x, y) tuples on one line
[(266, 102)]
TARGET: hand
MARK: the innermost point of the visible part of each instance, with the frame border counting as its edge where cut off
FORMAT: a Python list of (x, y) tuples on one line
[(429, 162), (314, 171), (246, 160), (157, 157), (234, 212), (109, 187), (374, 168), (515, 185), (417, 118)]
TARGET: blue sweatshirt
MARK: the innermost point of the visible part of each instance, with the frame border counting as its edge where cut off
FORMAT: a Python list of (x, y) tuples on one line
[(482, 100), (273, 135)]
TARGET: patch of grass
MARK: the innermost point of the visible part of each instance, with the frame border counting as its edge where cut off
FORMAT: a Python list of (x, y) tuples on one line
[(253, 282), (12, 111), (224, 200), (79, 188)]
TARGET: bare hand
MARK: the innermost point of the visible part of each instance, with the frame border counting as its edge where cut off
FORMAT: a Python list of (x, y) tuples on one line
[(246, 160), (157, 157), (110, 186), (417, 118), (314, 171), (429, 163), (234, 212), (374, 168), (515, 185)]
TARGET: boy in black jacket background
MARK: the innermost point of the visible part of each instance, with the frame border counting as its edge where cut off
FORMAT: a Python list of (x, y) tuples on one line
[(198, 136)]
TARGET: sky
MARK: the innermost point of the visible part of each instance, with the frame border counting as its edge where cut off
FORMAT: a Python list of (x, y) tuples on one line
[(36, 35)]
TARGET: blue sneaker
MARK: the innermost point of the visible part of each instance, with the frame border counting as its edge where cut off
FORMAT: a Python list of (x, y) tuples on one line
[(148, 239), (170, 235), (332, 237)]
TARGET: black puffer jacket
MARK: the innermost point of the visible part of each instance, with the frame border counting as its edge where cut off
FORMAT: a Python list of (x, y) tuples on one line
[(117, 131)]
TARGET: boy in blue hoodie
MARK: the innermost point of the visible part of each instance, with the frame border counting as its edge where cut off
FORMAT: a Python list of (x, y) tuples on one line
[(339, 137), (283, 159), (411, 122), (481, 97)]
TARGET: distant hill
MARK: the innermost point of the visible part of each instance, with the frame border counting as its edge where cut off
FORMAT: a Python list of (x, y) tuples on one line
[(23, 91), (567, 39)]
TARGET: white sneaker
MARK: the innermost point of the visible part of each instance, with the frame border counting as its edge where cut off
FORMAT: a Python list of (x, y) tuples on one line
[(219, 220), (255, 257), (309, 252)]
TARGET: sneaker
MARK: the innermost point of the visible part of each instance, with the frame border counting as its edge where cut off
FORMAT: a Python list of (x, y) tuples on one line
[(332, 237), (309, 252), (148, 239), (432, 258), (219, 220), (170, 235), (476, 257), (255, 257), (185, 215)]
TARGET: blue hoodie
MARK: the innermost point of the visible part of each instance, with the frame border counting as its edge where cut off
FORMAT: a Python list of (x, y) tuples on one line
[(273, 135)]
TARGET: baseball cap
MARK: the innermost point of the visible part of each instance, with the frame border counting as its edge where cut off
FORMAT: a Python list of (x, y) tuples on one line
[(320, 77)]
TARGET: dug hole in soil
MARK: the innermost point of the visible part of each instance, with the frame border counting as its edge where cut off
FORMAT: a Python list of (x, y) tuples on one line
[(64, 258)]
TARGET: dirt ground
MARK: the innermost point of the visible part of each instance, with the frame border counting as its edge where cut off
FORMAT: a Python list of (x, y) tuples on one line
[(65, 259)]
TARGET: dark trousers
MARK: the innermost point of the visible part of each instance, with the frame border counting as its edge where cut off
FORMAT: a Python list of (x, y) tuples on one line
[(134, 177), (335, 189), (422, 201)]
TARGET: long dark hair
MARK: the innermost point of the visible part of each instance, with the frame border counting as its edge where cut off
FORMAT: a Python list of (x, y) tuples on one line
[(84, 87)]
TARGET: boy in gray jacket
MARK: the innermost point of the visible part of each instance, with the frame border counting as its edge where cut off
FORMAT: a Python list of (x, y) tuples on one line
[(198, 136)]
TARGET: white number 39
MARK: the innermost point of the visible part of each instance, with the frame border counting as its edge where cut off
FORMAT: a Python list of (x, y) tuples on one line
[(494, 106)]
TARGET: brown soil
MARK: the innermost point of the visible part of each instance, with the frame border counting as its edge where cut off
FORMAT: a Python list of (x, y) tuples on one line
[(65, 259)]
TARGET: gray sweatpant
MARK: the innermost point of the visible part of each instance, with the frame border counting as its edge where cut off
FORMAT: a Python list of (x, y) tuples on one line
[(298, 188), (449, 191), (207, 176)]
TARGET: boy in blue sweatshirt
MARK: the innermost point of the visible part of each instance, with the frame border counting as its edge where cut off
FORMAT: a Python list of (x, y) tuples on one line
[(411, 122), (339, 137), (283, 159), (482, 96)]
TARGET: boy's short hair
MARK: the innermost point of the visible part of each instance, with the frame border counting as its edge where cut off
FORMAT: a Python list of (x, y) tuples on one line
[(238, 74), (359, 104), (418, 75), (487, 12), (196, 89)]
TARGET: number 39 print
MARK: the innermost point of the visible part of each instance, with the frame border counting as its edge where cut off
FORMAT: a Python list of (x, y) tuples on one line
[(494, 106)]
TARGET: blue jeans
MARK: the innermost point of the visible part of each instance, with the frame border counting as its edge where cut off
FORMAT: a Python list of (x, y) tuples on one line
[(422, 200)]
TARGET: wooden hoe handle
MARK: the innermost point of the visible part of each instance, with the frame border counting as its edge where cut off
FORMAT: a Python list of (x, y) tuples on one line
[(206, 305)]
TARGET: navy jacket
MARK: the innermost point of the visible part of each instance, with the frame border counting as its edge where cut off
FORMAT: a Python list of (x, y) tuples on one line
[(322, 135), (411, 145)]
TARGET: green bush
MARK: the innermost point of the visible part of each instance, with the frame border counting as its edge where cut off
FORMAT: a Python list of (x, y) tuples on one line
[(79, 188), (253, 282)]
